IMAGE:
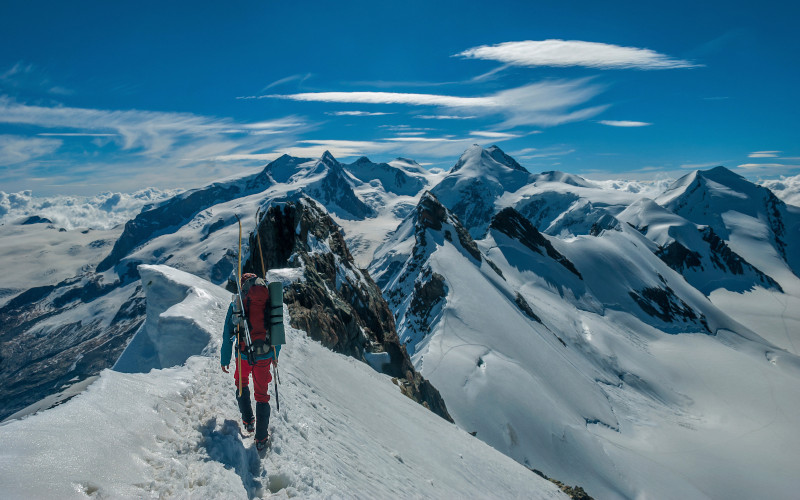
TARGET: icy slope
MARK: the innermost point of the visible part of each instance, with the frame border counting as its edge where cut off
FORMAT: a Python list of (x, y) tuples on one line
[(343, 429), (576, 373)]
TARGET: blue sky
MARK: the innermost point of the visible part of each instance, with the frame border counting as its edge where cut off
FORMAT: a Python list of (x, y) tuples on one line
[(117, 96)]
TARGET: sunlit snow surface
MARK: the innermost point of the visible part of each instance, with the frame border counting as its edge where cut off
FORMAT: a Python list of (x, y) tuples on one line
[(343, 430), (623, 409)]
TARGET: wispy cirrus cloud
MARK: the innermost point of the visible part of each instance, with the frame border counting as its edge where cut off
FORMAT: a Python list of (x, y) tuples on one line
[(149, 133), (27, 76), (624, 123), (128, 148), (769, 168), (289, 79), (410, 146), (493, 135), (357, 113), (546, 103), (764, 154), (16, 149), (444, 117), (564, 53)]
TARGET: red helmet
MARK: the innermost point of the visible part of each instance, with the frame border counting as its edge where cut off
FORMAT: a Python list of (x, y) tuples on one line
[(247, 276)]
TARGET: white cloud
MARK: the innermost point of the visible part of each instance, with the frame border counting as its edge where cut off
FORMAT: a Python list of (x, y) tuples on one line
[(624, 123), (536, 153), (75, 134), (150, 133), (563, 53), (288, 79), (390, 98), (763, 154), (102, 211), (149, 147), (26, 76), (445, 117), (423, 139), (438, 147), (545, 103), (785, 188), (17, 149), (248, 157), (763, 170), (772, 167), (493, 135), (357, 113)]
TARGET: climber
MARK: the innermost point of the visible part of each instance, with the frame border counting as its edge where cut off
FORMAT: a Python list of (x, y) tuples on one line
[(255, 300)]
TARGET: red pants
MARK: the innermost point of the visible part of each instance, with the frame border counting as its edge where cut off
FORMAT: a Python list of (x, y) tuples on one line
[(261, 377)]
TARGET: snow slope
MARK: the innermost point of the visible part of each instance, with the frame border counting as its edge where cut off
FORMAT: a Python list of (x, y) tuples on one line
[(567, 372), (343, 429)]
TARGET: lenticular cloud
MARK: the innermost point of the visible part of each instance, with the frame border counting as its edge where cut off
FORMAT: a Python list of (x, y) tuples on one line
[(563, 53)]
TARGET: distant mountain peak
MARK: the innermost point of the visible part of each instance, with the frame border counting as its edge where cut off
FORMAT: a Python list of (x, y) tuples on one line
[(719, 172), (499, 155), (559, 176), (328, 158), (482, 159), (406, 160), (361, 161)]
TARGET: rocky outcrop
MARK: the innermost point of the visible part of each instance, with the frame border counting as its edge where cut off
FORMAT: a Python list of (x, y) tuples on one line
[(678, 257), (338, 304), (431, 214), (511, 223), (662, 303), (726, 259)]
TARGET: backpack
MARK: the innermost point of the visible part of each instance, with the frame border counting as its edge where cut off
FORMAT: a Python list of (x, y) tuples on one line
[(255, 297)]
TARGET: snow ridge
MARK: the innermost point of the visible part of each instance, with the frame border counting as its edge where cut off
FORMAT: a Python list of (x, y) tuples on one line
[(185, 440)]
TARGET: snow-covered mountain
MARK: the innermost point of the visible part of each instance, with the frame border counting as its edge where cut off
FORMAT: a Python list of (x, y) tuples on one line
[(545, 346), (473, 185), (639, 345), (343, 430), (755, 222)]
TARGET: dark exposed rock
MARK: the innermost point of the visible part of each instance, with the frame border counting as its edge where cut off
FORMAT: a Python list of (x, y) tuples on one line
[(726, 259), (606, 222), (432, 214), (428, 292), (722, 257), (338, 304), (663, 304), (526, 308), (678, 257), (511, 223), (575, 492), (35, 219)]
